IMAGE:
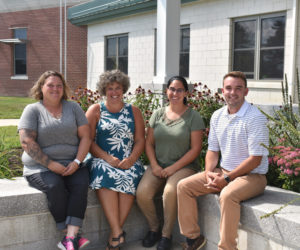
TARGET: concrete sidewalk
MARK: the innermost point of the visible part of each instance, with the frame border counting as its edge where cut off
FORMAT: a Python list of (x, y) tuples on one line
[(9, 122), (137, 245)]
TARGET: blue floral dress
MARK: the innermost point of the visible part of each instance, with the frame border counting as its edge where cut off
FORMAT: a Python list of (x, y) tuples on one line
[(115, 135)]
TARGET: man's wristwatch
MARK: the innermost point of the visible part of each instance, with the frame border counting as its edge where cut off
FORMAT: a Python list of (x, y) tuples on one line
[(226, 177)]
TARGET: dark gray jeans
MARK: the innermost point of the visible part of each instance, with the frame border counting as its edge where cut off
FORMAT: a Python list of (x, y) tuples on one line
[(66, 195)]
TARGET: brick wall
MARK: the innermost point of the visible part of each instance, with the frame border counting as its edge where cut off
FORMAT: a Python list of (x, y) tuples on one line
[(42, 49)]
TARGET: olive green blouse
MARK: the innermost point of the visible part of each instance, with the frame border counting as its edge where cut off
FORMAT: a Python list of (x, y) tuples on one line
[(173, 137)]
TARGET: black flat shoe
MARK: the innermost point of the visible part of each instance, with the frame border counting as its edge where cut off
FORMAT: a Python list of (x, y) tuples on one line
[(151, 238), (118, 239), (164, 244)]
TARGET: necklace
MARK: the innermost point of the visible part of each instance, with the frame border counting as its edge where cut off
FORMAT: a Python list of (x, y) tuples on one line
[(55, 112)]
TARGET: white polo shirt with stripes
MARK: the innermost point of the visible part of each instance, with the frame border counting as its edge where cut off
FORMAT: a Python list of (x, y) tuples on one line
[(239, 135)]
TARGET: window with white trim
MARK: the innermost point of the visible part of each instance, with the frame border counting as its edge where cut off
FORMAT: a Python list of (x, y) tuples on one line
[(20, 65), (117, 53), (258, 46)]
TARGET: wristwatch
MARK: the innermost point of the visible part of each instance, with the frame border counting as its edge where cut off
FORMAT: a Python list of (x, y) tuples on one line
[(226, 177)]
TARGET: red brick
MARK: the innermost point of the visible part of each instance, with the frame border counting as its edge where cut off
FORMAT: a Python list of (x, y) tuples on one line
[(42, 49)]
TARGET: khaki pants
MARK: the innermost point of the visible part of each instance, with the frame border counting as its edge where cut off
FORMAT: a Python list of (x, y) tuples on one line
[(240, 189), (149, 186)]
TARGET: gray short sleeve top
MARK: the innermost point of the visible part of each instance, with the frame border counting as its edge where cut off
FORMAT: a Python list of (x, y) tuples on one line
[(57, 137)]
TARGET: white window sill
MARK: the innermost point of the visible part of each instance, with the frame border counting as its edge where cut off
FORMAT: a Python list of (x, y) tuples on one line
[(21, 77), (264, 84)]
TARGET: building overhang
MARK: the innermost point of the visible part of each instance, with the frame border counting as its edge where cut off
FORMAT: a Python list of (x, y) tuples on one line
[(102, 10), (12, 41)]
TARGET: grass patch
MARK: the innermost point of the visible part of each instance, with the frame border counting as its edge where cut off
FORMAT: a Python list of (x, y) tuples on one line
[(9, 137), (10, 153), (12, 107)]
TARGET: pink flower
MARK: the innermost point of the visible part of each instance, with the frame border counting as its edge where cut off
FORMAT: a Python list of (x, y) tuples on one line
[(280, 140), (295, 161), (289, 171), (270, 160), (281, 161)]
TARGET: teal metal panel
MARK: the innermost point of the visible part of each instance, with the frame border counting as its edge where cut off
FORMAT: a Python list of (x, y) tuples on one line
[(101, 10)]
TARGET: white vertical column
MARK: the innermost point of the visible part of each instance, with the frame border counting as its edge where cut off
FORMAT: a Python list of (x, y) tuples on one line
[(291, 72), (168, 39)]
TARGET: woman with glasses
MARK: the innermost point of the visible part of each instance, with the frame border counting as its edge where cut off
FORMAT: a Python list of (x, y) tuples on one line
[(173, 143)]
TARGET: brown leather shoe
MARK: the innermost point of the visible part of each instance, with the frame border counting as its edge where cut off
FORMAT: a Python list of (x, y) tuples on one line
[(198, 244)]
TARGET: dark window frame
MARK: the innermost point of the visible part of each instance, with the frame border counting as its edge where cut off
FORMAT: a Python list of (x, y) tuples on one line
[(183, 53), (117, 56), (258, 48), (20, 48)]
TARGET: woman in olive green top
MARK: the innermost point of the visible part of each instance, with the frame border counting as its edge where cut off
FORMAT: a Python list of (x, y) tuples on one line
[(173, 143)]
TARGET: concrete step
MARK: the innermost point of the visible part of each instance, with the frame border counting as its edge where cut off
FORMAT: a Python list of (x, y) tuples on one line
[(137, 245)]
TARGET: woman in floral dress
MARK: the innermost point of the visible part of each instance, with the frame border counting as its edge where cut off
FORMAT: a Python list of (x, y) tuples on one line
[(118, 135)]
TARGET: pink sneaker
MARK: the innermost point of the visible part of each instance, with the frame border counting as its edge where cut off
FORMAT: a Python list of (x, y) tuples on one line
[(68, 243), (82, 242)]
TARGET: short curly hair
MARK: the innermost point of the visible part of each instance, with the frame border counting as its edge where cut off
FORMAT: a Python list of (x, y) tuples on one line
[(110, 77), (36, 90)]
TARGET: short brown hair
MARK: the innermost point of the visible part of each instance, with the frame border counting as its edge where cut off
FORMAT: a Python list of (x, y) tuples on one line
[(236, 74), (36, 90), (110, 77)]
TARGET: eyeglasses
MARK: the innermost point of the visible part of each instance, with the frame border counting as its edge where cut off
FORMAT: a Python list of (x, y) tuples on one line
[(179, 91)]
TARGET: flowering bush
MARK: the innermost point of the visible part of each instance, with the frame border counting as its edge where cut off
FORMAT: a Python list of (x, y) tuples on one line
[(284, 167), (86, 97), (206, 103), (146, 101), (288, 160), (202, 100)]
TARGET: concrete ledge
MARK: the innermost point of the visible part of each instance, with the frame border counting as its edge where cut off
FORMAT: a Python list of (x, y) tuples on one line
[(281, 231), (27, 224)]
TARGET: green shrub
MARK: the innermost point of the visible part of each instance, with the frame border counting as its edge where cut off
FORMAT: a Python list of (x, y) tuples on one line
[(284, 148)]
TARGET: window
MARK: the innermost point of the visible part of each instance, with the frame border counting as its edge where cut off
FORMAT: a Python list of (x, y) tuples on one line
[(117, 53), (258, 47), (184, 60), (20, 67)]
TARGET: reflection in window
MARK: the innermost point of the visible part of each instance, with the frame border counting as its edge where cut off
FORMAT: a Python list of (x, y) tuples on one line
[(258, 47), (20, 66), (117, 53), (184, 60)]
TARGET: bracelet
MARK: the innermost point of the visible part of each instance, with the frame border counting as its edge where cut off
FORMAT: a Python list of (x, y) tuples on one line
[(77, 161)]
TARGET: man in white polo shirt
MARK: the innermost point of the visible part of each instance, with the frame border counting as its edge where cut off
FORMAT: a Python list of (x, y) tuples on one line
[(236, 134)]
